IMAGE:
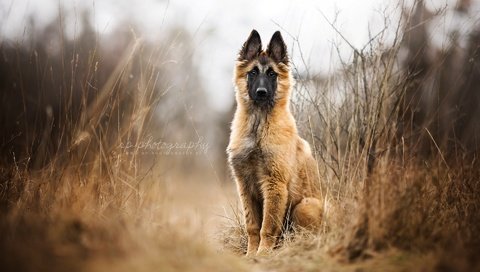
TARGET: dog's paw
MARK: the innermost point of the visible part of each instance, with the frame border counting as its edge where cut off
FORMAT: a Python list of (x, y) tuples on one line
[(264, 251)]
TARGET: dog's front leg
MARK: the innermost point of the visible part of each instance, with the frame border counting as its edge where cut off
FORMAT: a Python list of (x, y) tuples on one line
[(253, 218), (275, 197)]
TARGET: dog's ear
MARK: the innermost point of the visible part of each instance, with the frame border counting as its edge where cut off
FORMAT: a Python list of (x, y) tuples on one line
[(252, 47), (277, 50)]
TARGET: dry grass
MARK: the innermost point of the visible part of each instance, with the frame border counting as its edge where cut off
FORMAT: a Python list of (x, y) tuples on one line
[(401, 193), (73, 197)]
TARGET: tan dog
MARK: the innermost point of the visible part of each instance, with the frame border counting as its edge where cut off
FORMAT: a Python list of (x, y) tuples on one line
[(272, 166)]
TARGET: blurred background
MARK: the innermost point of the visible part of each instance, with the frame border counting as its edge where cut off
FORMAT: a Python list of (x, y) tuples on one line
[(197, 43), (216, 29)]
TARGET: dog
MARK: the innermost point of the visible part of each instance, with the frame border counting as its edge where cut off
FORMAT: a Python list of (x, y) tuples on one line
[(272, 165)]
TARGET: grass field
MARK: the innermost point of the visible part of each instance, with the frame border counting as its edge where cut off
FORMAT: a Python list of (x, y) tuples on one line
[(84, 188)]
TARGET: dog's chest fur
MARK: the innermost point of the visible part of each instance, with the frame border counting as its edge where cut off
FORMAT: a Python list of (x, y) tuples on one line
[(251, 161)]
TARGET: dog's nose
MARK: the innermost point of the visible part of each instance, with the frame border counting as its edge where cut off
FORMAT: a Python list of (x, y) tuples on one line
[(262, 92)]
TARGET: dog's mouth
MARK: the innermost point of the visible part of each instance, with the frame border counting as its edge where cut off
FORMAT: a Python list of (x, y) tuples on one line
[(264, 103), (263, 99)]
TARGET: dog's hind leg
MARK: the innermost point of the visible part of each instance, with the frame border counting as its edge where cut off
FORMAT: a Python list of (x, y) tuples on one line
[(308, 214)]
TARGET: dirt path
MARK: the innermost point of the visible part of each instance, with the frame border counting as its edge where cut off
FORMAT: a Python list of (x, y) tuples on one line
[(202, 210)]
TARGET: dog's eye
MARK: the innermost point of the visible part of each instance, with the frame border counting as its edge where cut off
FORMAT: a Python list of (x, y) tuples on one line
[(272, 73), (253, 72)]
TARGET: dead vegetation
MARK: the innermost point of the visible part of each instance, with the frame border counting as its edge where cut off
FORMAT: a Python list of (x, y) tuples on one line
[(394, 131), (77, 191)]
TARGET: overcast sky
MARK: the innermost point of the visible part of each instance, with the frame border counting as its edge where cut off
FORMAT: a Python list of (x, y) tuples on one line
[(220, 27)]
